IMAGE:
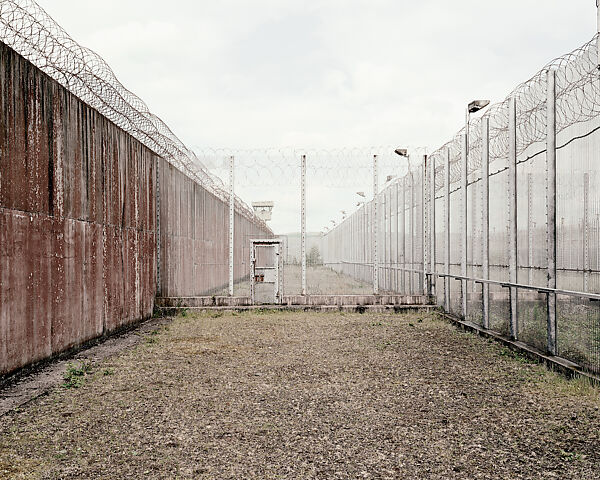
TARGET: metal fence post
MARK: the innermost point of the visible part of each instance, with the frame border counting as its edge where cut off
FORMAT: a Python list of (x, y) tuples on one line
[(447, 233), (375, 232), (423, 224), (403, 236), (586, 230), (303, 222), (411, 221), (464, 226), (433, 278), (530, 229), (384, 221), (551, 206), (389, 244), (512, 215), (231, 222), (157, 207), (397, 233), (485, 182)]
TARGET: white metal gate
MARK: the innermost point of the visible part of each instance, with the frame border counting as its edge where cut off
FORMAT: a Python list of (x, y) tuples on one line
[(266, 271)]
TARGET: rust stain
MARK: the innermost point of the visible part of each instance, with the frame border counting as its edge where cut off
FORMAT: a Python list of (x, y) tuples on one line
[(77, 240)]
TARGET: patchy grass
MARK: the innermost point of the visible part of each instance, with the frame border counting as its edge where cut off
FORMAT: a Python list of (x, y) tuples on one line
[(273, 394), (76, 374)]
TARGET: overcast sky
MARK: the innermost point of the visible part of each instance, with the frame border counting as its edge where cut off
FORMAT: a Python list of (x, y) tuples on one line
[(322, 73)]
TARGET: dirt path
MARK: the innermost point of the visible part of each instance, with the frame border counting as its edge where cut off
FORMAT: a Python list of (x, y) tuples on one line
[(306, 395)]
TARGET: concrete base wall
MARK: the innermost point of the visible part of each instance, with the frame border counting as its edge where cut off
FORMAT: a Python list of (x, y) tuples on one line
[(297, 300), (77, 219)]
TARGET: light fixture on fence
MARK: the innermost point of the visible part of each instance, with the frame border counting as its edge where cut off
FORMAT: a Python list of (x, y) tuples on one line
[(473, 107), (361, 194), (389, 178), (403, 152), (477, 105)]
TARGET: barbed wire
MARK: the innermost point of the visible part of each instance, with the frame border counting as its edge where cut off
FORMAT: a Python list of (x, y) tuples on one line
[(334, 167), (29, 30), (577, 101)]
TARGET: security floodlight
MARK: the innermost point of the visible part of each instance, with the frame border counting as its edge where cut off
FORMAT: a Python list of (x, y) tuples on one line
[(403, 152), (477, 105), (389, 177), (361, 194)]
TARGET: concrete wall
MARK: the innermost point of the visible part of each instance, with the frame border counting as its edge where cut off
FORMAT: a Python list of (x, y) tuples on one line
[(78, 223), (77, 219), (194, 237)]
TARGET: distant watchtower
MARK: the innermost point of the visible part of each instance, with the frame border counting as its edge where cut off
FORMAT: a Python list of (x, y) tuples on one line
[(263, 210)]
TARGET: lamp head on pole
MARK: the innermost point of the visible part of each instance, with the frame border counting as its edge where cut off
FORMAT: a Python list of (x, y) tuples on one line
[(403, 152), (477, 105)]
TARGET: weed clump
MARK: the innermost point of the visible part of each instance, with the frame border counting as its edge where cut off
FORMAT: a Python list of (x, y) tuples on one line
[(75, 375)]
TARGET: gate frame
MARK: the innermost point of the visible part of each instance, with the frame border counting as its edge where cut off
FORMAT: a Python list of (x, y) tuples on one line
[(277, 244)]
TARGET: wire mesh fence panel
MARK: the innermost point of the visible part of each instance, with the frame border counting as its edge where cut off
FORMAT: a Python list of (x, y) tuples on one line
[(456, 298), (533, 316), (578, 208), (499, 309), (474, 302), (578, 330)]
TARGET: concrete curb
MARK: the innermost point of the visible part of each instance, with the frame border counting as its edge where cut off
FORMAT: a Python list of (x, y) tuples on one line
[(309, 308)]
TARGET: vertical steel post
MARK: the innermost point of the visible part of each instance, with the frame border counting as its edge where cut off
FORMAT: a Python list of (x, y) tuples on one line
[(423, 225), (411, 221), (389, 243), (231, 222), (551, 206), (433, 278), (512, 215), (303, 221), (157, 207), (403, 236), (586, 230), (397, 232), (464, 226), (474, 211), (530, 229), (383, 279), (485, 182), (447, 239), (375, 232)]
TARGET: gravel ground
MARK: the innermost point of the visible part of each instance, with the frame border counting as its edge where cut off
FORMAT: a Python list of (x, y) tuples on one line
[(304, 395)]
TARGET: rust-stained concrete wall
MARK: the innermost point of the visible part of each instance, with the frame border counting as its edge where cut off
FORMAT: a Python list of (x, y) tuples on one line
[(194, 237), (77, 219)]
